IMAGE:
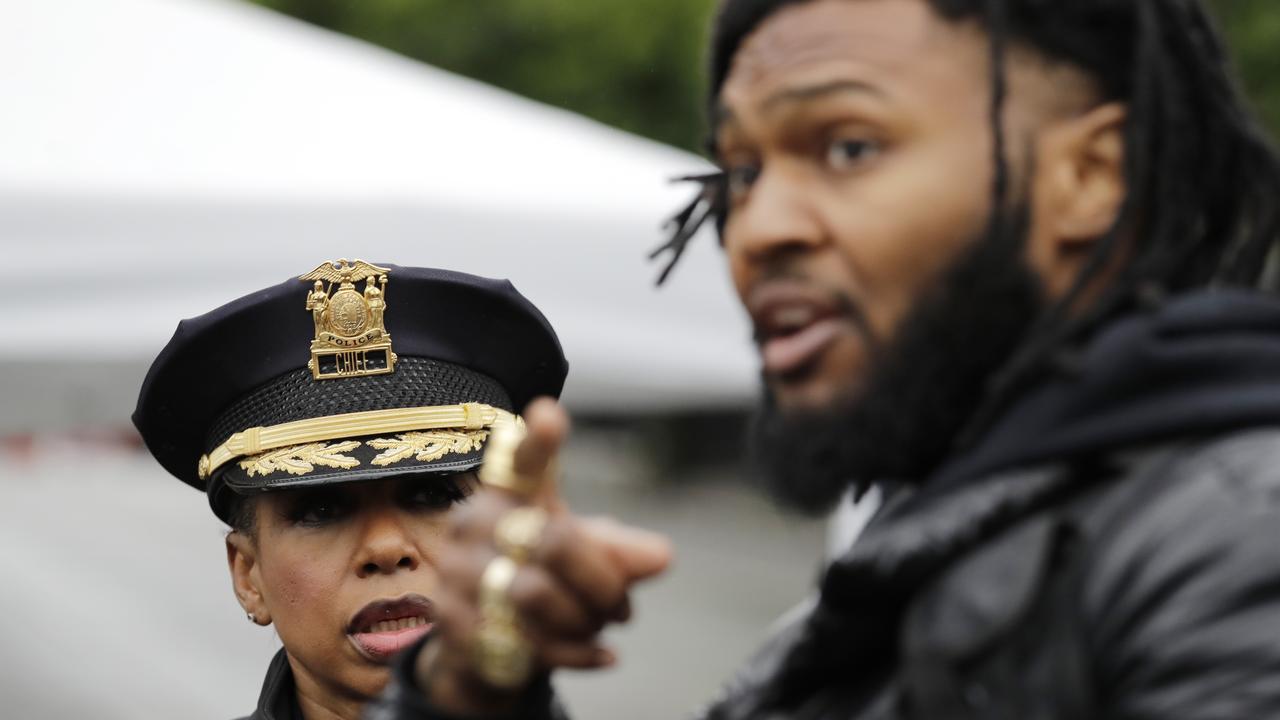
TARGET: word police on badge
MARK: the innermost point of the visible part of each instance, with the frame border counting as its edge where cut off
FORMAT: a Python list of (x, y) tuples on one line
[(351, 339)]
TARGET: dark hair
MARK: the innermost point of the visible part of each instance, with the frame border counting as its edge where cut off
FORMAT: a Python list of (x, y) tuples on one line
[(242, 514), (1203, 203)]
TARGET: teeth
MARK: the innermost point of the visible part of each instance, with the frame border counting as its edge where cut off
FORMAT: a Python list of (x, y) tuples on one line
[(395, 625), (793, 317)]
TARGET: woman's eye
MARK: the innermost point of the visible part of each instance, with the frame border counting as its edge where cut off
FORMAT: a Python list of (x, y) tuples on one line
[(847, 153), (435, 494), (318, 509)]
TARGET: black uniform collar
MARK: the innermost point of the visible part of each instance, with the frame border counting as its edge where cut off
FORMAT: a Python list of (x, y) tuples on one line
[(279, 698)]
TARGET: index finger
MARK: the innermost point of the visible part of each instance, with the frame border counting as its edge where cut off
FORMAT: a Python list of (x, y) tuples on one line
[(523, 462)]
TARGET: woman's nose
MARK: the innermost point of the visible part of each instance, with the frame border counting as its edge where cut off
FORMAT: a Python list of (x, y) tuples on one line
[(386, 545)]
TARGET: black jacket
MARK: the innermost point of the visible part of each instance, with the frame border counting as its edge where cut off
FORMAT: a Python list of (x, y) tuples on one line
[(278, 699), (1110, 548)]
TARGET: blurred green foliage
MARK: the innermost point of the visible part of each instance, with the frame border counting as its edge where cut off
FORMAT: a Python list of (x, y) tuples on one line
[(1253, 29), (633, 64), (638, 64)]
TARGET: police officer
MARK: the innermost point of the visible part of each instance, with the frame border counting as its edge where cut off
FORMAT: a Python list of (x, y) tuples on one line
[(332, 420)]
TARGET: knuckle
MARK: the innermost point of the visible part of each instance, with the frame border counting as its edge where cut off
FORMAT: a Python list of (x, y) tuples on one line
[(608, 592), (453, 618), (475, 520), (567, 655), (559, 538), (582, 626), (462, 523), (530, 588), (451, 567)]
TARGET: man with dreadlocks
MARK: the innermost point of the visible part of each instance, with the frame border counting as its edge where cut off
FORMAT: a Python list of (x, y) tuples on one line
[(1007, 260)]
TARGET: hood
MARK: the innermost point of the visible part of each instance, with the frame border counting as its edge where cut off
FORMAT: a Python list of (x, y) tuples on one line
[(1203, 363)]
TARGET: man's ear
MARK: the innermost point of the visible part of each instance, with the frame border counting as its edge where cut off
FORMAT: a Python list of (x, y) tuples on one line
[(1079, 191), (246, 580)]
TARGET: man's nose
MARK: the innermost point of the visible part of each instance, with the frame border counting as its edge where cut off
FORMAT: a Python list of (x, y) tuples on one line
[(777, 216), (386, 544)]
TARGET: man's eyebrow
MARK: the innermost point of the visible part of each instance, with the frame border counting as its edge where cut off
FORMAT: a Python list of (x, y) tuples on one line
[(722, 116), (813, 92)]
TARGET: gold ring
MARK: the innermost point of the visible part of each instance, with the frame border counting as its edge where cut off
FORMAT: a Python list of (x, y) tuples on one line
[(518, 532), (499, 466), (501, 655), (495, 583)]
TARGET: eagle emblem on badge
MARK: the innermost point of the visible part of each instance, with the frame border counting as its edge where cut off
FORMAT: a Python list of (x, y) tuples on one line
[(351, 339)]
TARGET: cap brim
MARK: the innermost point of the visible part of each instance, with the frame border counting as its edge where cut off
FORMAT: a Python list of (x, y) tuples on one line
[(428, 452)]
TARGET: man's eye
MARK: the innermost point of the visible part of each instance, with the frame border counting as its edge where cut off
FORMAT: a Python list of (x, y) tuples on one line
[(740, 178), (845, 154)]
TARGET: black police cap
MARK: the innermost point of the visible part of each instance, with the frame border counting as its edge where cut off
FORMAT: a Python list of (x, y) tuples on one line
[(351, 372)]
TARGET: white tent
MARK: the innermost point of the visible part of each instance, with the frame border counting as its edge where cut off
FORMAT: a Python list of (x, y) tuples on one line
[(160, 157)]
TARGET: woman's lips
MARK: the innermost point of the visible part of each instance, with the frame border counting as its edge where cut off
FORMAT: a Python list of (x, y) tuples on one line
[(784, 354), (385, 639), (385, 627)]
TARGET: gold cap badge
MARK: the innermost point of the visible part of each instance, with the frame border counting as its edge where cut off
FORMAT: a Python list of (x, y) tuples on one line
[(351, 339)]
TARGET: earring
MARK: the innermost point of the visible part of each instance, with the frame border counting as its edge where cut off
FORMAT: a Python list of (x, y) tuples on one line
[(252, 618)]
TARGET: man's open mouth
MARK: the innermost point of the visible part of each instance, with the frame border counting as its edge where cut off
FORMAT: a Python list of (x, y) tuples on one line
[(793, 326)]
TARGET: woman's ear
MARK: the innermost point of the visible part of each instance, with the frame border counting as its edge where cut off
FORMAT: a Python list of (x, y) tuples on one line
[(246, 580), (1079, 191)]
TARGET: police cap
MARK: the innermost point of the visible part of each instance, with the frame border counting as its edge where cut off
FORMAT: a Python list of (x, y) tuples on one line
[(353, 371)]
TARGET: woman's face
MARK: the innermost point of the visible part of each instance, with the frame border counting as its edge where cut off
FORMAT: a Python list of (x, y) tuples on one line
[(346, 573)]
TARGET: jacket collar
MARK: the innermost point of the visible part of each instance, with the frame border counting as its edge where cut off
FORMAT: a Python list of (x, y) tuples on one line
[(278, 699), (1199, 364)]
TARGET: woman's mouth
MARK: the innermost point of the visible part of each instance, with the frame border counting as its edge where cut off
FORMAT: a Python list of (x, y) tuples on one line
[(385, 627)]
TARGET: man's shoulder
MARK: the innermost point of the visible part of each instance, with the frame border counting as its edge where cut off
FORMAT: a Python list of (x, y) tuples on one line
[(1190, 523), (1168, 568), (1178, 589), (1190, 533), (1167, 492)]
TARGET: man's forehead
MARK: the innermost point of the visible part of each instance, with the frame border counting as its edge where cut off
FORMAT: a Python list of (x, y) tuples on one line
[(813, 43)]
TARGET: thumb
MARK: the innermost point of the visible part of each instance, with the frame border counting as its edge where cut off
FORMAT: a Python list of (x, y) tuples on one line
[(641, 554)]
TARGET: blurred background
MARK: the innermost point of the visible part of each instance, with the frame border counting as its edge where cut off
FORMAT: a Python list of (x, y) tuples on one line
[(160, 157)]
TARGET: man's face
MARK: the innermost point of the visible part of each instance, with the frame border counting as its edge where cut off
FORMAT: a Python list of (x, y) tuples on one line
[(857, 141)]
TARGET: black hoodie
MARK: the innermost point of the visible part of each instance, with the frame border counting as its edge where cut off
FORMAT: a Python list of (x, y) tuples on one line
[(1202, 364)]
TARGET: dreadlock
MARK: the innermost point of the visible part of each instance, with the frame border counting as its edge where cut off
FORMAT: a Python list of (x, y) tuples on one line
[(1203, 202)]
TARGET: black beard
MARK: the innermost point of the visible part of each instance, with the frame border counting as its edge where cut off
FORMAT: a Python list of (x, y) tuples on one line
[(920, 391)]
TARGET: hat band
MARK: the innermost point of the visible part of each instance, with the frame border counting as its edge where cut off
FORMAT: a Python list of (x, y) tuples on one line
[(470, 416)]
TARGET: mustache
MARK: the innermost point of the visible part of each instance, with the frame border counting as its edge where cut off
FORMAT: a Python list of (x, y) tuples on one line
[(844, 303)]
